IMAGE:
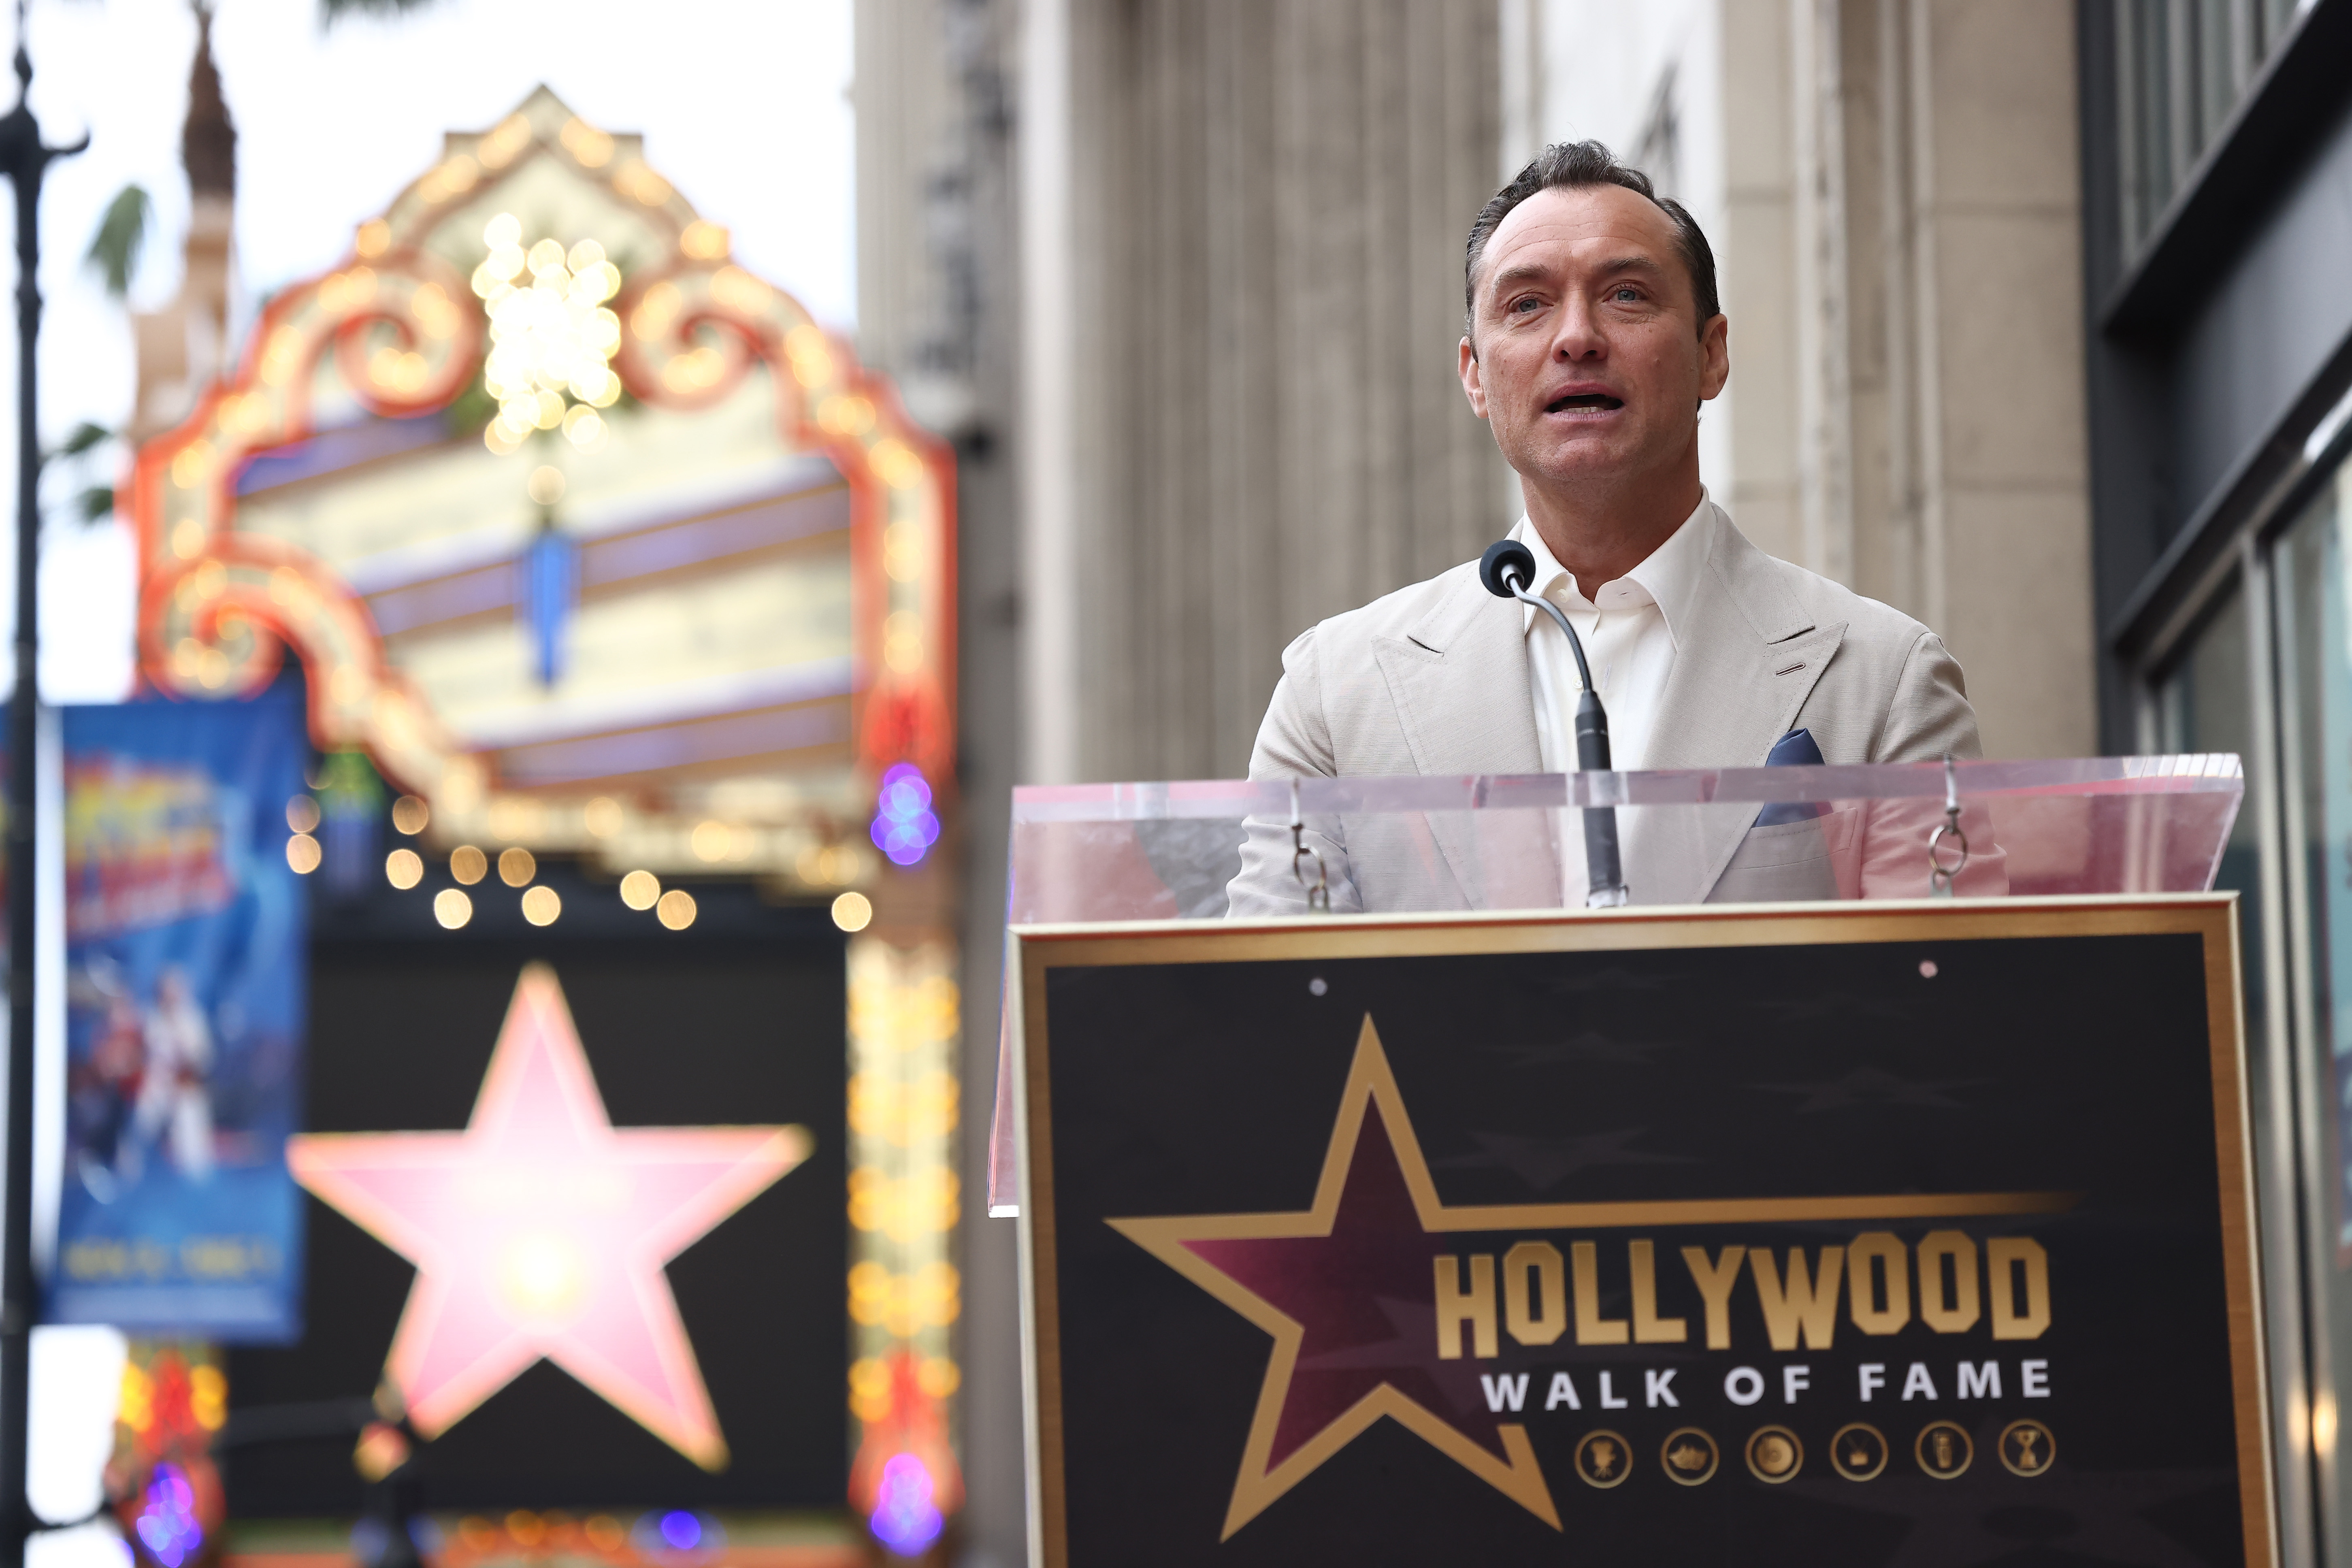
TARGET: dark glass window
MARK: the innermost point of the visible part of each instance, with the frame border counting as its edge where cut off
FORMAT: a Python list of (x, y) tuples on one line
[(2182, 67), (2314, 599), (2205, 703)]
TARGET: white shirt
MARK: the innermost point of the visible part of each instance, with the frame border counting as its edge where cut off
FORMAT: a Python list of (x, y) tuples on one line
[(1630, 641)]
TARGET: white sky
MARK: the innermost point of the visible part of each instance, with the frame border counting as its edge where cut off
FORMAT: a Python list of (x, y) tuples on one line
[(743, 103)]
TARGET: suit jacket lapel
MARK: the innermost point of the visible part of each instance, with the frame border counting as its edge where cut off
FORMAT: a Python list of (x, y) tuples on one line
[(1459, 680), (1743, 667)]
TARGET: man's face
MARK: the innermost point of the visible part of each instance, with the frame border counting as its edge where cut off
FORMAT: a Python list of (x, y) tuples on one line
[(1588, 357)]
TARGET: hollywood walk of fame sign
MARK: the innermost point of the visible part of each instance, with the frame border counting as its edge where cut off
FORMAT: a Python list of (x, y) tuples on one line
[(542, 1231), (1793, 1283)]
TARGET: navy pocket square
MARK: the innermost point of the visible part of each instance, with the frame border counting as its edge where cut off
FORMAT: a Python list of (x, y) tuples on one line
[(1794, 750)]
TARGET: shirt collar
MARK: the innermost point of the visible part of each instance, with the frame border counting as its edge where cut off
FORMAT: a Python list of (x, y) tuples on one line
[(1668, 578)]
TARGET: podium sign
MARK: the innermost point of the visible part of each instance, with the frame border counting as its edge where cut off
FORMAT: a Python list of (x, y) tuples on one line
[(1799, 1234)]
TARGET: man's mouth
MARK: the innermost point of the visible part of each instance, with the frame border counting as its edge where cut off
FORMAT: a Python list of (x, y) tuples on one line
[(1583, 402)]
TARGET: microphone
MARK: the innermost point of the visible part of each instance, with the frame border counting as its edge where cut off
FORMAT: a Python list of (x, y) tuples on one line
[(1508, 570)]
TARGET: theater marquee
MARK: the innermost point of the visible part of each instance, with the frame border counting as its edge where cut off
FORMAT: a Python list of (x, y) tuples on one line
[(1751, 1236)]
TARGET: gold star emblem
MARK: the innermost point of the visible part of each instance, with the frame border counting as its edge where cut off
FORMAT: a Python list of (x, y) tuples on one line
[(1280, 1454)]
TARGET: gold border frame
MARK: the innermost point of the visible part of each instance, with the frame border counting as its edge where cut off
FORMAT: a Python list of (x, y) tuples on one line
[(1034, 949)]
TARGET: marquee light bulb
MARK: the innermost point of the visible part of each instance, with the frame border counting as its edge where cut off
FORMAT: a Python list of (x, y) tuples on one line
[(168, 1525), (904, 1518), (602, 817), (905, 825), (553, 337)]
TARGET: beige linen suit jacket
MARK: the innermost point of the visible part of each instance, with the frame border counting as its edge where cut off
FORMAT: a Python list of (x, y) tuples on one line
[(1432, 679)]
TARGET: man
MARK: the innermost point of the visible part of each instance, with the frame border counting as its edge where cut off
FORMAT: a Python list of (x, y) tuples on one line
[(1593, 336), (173, 1093)]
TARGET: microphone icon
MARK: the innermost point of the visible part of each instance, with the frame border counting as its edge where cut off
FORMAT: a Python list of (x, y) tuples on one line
[(1508, 570)]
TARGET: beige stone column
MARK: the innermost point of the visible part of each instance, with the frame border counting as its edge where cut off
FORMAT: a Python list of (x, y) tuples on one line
[(1756, 246), (1267, 201), (1823, 293), (2004, 478), (1908, 362)]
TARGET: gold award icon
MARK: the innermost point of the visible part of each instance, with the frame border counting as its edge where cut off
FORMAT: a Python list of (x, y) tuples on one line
[(2027, 1447), (1944, 1450), (1858, 1452), (1603, 1459), (1774, 1454), (1689, 1456)]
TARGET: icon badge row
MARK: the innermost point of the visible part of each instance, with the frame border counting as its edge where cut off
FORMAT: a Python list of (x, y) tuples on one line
[(1859, 1452)]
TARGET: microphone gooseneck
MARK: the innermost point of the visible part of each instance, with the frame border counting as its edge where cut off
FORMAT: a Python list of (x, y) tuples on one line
[(1507, 570)]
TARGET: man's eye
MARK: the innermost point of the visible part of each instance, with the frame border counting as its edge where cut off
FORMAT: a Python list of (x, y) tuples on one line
[(1627, 294), (1522, 306)]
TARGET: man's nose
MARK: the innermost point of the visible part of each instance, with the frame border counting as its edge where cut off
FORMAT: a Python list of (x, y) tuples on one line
[(1580, 336)]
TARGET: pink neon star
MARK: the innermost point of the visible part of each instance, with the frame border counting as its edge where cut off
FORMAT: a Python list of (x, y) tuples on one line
[(541, 1230)]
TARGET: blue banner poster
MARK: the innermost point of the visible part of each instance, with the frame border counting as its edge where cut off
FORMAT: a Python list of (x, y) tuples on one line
[(186, 963)]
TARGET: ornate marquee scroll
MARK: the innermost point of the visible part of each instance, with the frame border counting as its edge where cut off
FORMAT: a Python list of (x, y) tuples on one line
[(900, 480), (217, 605)]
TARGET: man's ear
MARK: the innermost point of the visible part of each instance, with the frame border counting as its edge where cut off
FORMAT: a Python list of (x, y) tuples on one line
[(1715, 355), (1472, 387)]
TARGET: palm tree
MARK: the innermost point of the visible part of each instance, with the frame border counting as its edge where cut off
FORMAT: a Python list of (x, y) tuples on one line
[(121, 236), (208, 150), (114, 252)]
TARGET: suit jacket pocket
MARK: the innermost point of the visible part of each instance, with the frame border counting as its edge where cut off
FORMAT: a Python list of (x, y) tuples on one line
[(1788, 861), (1793, 843)]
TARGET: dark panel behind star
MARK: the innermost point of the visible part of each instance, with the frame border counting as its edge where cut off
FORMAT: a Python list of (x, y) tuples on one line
[(679, 1034)]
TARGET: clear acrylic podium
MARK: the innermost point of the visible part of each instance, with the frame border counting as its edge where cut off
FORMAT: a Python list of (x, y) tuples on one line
[(1217, 849)]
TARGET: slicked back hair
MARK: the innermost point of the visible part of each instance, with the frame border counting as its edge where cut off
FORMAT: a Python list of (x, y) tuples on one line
[(1576, 166)]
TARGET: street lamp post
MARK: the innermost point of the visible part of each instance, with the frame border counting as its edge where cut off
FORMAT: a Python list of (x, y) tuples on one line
[(23, 158)]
